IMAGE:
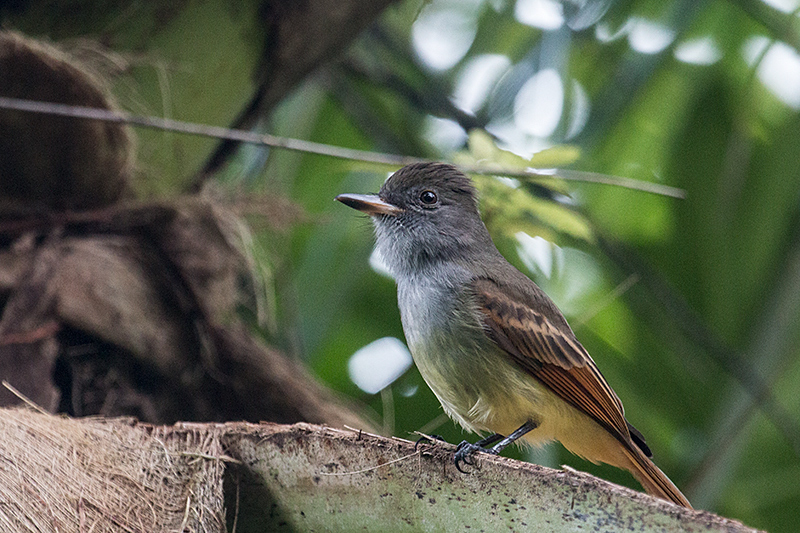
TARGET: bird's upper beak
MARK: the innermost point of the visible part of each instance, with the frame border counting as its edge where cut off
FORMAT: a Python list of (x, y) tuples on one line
[(369, 204)]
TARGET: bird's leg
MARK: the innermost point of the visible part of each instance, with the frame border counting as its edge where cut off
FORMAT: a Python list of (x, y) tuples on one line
[(465, 449), (527, 427), (484, 442)]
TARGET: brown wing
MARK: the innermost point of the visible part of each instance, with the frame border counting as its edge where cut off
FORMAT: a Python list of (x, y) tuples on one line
[(551, 355)]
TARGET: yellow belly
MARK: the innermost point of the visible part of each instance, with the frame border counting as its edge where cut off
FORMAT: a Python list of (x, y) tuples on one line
[(487, 392)]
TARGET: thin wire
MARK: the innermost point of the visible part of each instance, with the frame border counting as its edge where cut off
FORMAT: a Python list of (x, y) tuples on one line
[(310, 147)]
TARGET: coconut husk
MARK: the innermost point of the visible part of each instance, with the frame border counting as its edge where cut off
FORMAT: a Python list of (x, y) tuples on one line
[(131, 311), (49, 162), (123, 308), (59, 475)]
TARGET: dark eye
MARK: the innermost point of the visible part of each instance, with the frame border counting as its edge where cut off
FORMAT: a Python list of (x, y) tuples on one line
[(428, 197)]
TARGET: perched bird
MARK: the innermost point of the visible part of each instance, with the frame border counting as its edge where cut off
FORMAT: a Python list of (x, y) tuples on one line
[(493, 347)]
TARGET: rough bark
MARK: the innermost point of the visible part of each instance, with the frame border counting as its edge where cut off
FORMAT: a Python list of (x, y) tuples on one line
[(59, 474)]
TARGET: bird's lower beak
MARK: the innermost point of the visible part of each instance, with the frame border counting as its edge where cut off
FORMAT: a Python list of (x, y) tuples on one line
[(369, 204)]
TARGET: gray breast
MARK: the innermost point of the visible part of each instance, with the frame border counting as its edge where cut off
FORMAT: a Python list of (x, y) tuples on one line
[(448, 344), (434, 304)]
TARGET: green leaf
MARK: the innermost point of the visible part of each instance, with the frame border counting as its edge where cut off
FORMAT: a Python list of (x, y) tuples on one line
[(511, 209), (556, 156)]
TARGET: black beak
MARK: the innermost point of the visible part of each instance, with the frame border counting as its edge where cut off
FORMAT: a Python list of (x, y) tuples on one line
[(369, 204)]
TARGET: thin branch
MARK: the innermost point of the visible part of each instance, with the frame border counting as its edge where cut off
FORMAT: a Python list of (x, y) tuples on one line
[(24, 398), (223, 458), (579, 175), (370, 468), (608, 299), (203, 130), (185, 520), (319, 148), (782, 26), (45, 331)]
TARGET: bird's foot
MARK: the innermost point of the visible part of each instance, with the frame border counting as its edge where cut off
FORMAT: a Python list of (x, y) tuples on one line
[(497, 442), (464, 454)]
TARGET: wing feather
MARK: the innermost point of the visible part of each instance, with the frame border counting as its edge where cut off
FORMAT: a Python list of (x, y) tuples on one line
[(551, 355)]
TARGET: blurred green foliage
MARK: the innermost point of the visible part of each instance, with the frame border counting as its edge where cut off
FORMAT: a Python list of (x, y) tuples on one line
[(701, 342), (690, 307)]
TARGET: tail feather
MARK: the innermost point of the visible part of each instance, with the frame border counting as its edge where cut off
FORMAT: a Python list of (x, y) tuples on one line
[(654, 481)]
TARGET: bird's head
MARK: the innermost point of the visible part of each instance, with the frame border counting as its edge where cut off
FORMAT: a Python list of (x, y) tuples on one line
[(423, 214)]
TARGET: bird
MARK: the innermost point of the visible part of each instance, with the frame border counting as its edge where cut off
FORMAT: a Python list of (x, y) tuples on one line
[(492, 346)]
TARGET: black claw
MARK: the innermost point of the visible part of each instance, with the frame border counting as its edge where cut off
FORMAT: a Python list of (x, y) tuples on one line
[(463, 455), (423, 439)]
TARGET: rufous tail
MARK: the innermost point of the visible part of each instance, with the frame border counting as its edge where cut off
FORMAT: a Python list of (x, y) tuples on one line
[(654, 481)]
